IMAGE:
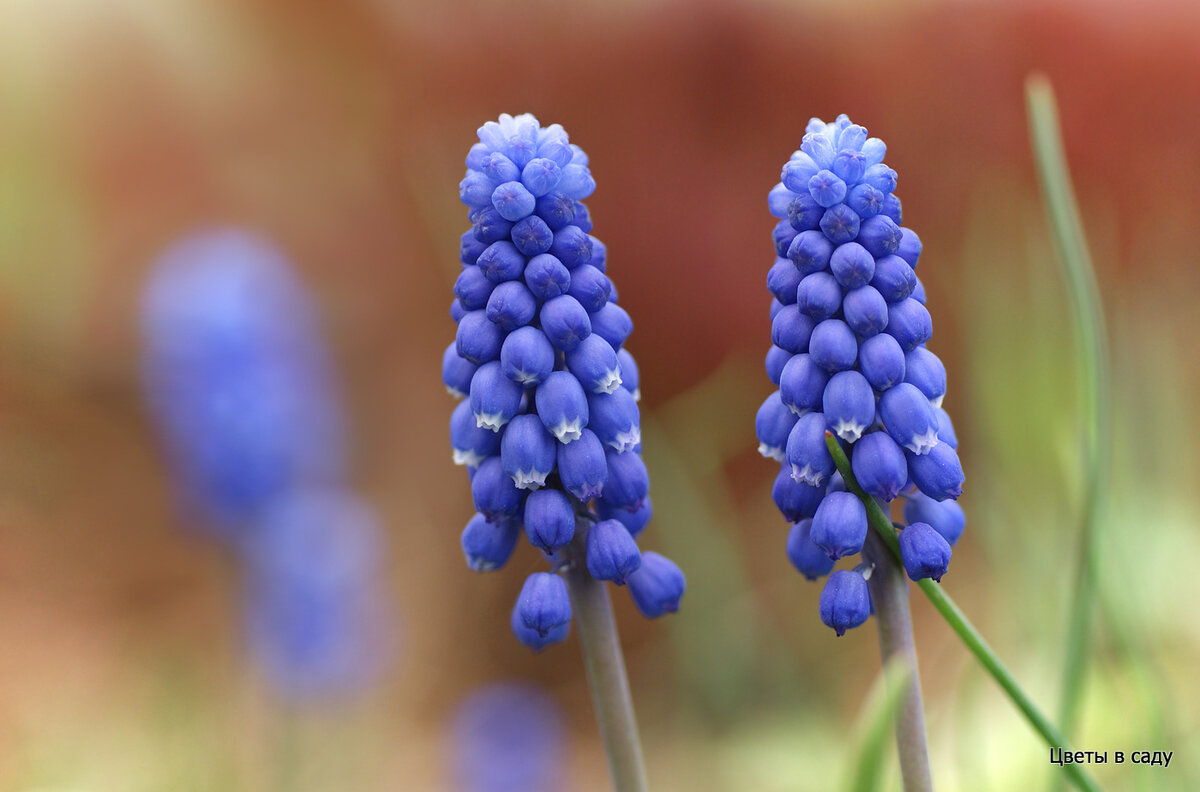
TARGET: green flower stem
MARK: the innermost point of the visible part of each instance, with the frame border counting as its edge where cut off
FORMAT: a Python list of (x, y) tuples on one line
[(1095, 406), (960, 623), (889, 594), (606, 672)]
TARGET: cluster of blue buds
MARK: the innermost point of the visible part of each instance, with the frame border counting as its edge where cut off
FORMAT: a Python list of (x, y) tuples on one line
[(848, 355), (549, 428), (240, 384)]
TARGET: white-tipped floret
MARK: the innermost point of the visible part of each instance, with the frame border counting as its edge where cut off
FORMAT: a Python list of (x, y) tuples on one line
[(937, 402), (637, 394), (568, 431), (609, 382), (771, 452), (468, 457), (530, 479), (493, 421), (626, 441), (849, 431), (455, 392), (806, 475), (924, 443)]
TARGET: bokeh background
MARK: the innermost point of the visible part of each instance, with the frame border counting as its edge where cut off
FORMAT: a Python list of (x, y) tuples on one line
[(339, 131)]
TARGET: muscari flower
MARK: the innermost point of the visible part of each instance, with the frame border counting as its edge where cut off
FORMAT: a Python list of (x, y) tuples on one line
[(239, 381), (848, 354), (549, 429), (508, 737)]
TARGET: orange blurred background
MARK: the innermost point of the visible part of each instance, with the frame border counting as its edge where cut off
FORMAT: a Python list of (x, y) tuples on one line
[(339, 130)]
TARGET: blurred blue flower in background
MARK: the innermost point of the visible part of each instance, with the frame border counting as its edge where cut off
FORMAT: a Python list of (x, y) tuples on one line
[(508, 738), (238, 377), (314, 613), (848, 332), (550, 431), (241, 386)]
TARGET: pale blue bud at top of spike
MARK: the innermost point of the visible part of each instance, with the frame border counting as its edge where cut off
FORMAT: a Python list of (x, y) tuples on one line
[(839, 526), (487, 546), (627, 482), (615, 419), (594, 364), (470, 443), (611, 552), (845, 601), (946, 517), (879, 466), (544, 603), (809, 560), (848, 403), (582, 467), (494, 398), (773, 424), (549, 520), (657, 585), (924, 552), (806, 451), (562, 406), (527, 452)]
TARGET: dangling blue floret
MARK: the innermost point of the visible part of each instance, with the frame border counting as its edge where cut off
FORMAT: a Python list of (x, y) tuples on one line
[(657, 585), (488, 545), (550, 432), (612, 554), (848, 333), (845, 601), (924, 552)]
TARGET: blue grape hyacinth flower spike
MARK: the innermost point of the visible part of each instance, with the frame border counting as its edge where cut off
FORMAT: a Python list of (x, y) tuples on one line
[(848, 355)]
